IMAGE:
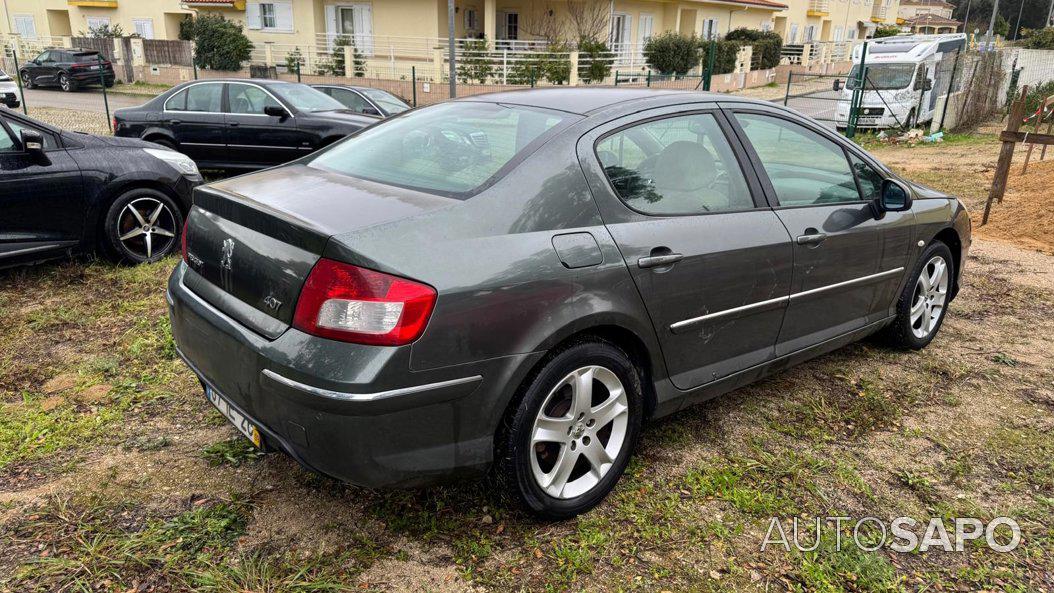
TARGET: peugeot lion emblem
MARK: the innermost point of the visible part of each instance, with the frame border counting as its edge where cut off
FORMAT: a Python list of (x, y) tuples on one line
[(228, 251)]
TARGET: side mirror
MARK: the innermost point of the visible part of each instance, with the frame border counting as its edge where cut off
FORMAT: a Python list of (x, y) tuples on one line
[(927, 85), (275, 111), (32, 142), (895, 197), (837, 84), (370, 111)]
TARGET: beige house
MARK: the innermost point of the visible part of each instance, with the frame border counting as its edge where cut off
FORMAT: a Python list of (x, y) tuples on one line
[(811, 21), (34, 19), (928, 16)]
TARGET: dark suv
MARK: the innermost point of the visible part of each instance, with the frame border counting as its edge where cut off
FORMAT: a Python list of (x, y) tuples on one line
[(68, 69)]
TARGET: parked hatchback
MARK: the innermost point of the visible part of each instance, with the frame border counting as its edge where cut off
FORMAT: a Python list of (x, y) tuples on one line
[(516, 282), (240, 124), (365, 100), (9, 92), (65, 192), (67, 68)]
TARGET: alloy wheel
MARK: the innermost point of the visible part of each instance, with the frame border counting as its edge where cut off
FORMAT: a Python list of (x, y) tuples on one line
[(64, 82), (579, 431), (26, 81), (147, 227), (931, 294)]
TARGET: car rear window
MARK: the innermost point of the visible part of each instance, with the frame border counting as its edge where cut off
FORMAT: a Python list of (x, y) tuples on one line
[(86, 57), (451, 149)]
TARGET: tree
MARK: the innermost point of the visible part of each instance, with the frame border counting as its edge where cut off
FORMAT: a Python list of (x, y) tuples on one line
[(1042, 39), (538, 19), (672, 53), (1002, 27), (219, 44), (337, 65), (474, 63), (766, 44), (590, 19), (1033, 14), (294, 60), (594, 61), (104, 31)]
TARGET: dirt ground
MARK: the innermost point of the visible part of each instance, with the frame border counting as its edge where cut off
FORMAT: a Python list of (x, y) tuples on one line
[(116, 475)]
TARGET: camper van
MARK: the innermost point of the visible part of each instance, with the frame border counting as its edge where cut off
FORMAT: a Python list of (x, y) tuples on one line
[(905, 76)]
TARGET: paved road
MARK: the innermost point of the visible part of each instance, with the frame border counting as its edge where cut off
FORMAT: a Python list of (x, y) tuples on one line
[(85, 100)]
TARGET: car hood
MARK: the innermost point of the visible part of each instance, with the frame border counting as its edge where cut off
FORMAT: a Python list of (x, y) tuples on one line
[(342, 116), (112, 141)]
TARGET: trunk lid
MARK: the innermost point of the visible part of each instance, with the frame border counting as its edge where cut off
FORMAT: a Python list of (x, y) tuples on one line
[(252, 240)]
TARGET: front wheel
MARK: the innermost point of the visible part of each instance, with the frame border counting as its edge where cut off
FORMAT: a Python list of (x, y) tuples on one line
[(66, 83), (27, 81), (565, 446), (142, 225), (924, 301)]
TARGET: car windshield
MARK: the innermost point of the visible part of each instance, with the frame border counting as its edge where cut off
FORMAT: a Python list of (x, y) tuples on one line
[(450, 149), (883, 77), (305, 98), (386, 100)]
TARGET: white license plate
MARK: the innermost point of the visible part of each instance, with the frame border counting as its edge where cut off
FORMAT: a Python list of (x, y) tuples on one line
[(233, 415), (96, 67)]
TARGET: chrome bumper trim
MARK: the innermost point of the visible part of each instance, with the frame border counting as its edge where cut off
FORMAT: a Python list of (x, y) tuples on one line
[(366, 397)]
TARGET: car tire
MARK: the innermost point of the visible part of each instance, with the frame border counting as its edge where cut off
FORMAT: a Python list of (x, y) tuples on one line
[(27, 81), (923, 304), (109, 83), (588, 398), (66, 83), (153, 214)]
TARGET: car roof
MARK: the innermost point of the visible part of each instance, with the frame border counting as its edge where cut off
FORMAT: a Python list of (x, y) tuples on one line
[(584, 101)]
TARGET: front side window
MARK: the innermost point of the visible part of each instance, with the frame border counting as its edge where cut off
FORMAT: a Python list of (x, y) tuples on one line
[(205, 97), (44, 57), (677, 165), (804, 167), (7, 142), (450, 149), (870, 180), (249, 99), (351, 100)]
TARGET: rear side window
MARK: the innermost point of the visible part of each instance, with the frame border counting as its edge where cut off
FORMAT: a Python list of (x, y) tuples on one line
[(804, 167), (177, 102), (677, 165), (451, 149), (205, 97)]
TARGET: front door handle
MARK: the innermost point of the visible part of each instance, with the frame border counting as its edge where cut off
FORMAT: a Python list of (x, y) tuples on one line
[(656, 261), (813, 239), (173, 122), (233, 124)]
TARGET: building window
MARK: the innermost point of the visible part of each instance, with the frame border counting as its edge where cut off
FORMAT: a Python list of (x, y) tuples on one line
[(268, 20), (144, 28), (25, 26), (471, 22), (710, 29), (98, 22)]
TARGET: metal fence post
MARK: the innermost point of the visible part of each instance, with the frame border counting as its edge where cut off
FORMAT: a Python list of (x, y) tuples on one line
[(709, 72), (616, 77), (413, 80), (105, 99), (857, 96), (649, 78), (18, 77), (298, 69), (786, 96)]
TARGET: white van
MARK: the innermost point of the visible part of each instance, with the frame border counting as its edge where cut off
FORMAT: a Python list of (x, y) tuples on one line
[(905, 76)]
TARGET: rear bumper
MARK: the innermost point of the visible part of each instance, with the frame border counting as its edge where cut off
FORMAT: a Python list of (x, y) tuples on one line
[(91, 77), (353, 412)]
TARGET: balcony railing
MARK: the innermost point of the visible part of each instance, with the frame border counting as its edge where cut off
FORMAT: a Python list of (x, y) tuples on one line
[(819, 8), (879, 11)]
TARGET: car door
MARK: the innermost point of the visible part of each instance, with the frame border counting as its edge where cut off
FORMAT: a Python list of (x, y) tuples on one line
[(40, 195), (839, 267), (197, 121), (711, 262), (42, 69), (255, 139)]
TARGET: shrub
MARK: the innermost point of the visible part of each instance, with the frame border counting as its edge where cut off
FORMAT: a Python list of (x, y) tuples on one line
[(1036, 95), (358, 63), (219, 44), (556, 64), (474, 64), (1041, 39), (104, 31), (672, 53), (594, 61), (294, 60), (886, 32), (724, 55), (766, 44)]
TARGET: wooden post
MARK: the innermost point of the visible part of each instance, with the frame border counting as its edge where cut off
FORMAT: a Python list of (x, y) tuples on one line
[(1006, 156), (1035, 129)]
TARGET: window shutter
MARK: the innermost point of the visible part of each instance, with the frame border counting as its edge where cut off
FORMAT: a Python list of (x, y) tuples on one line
[(283, 16), (363, 15), (331, 25), (252, 15)]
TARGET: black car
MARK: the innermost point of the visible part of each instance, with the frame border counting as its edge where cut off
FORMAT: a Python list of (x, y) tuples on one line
[(240, 124), (365, 100), (68, 69), (63, 192)]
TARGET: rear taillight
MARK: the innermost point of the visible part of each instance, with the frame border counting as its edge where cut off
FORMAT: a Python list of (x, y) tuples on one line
[(352, 304)]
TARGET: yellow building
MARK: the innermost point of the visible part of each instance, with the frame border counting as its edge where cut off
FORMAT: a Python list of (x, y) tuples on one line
[(150, 19), (812, 21)]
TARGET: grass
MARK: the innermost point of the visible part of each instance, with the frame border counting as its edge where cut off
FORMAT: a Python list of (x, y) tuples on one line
[(233, 451)]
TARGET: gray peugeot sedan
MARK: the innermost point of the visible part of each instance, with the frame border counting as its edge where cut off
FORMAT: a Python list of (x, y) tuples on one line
[(514, 283)]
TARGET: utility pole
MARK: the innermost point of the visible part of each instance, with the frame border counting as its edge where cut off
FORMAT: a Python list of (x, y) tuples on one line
[(451, 50), (1017, 27), (991, 25), (1050, 13), (966, 19)]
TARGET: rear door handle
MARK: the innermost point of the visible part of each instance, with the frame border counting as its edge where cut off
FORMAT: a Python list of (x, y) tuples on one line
[(233, 124), (173, 122), (656, 261), (814, 239)]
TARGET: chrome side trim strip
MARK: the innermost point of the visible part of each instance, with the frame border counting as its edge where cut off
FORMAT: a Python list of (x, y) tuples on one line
[(853, 282), (734, 311), (680, 325), (366, 397)]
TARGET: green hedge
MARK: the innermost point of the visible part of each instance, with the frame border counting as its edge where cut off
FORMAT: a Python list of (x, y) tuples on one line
[(673, 53)]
